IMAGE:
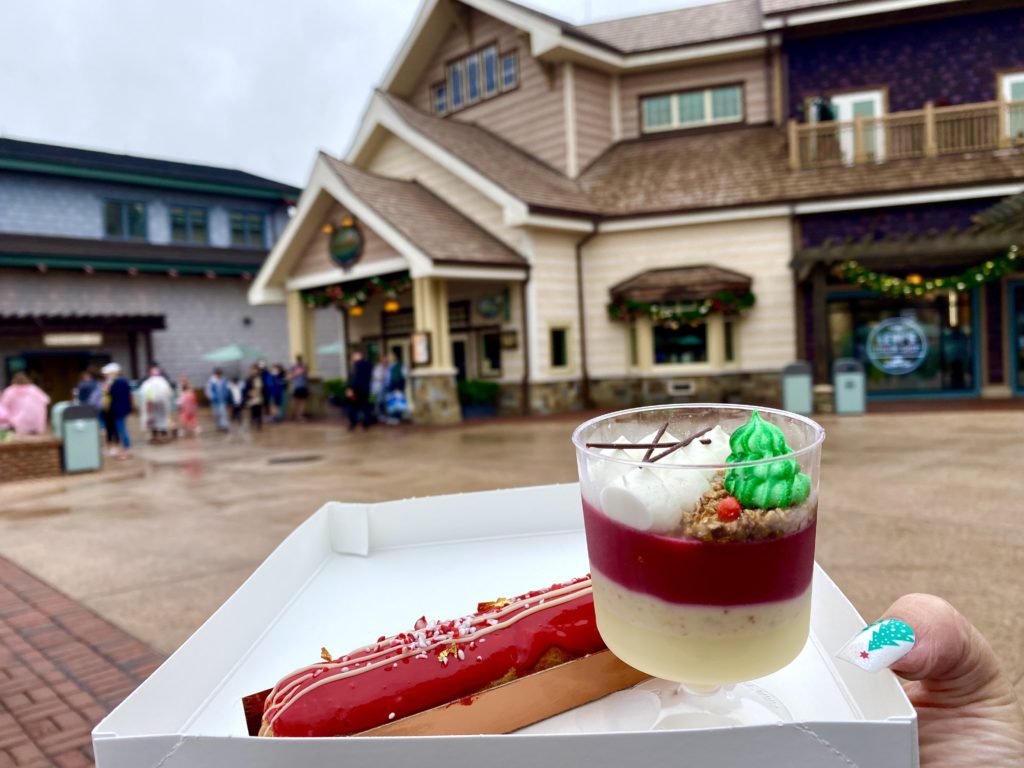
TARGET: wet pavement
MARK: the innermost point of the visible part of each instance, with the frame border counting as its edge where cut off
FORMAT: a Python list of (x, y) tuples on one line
[(925, 501)]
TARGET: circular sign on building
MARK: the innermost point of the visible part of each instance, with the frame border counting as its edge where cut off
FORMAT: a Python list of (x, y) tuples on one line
[(346, 245), (897, 346)]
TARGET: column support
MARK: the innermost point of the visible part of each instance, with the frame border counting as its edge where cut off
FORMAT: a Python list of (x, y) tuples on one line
[(300, 331)]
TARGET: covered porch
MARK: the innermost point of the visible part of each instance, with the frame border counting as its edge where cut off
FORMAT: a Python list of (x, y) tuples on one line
[(400, 272)]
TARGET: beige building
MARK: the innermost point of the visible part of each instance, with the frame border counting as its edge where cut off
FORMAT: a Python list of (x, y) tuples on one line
[(600, 214)]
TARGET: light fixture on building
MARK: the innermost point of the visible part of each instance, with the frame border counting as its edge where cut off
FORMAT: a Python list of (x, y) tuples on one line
[(391, 305), (914, 279), (347, 221), (356, 311), (327, 228)]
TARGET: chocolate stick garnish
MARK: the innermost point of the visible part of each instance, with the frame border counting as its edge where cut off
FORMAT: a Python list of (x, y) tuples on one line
[(657, 439), (628, 445), (680, 444)]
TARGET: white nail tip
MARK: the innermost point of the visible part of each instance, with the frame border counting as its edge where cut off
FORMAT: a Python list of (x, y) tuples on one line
[(879, 645)]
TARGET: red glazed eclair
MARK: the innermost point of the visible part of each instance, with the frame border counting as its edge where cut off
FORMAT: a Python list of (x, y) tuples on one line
[(435, 663)]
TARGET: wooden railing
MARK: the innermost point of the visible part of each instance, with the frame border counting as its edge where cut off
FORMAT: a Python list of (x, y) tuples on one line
[(927, 132)]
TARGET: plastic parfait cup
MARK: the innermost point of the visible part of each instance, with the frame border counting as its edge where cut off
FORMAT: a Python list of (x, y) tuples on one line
[(700, 523)]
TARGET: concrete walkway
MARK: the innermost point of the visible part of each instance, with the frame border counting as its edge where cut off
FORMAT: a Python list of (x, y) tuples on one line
[(928, 501)]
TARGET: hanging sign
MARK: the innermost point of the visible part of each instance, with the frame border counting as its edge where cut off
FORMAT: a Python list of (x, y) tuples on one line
[(345, 244), (897, 346)]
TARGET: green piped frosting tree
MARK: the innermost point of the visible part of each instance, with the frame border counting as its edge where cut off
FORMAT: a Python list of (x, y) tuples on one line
[(765, 486)]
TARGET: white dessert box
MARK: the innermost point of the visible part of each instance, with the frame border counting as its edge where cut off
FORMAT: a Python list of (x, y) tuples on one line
[(353, 572)]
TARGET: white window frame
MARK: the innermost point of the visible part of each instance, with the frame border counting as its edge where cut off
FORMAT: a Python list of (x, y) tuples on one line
[(434, 100), (456, 69), (1015, 112), (514, 55), (478, 60), (493, 50), (643, 327), (676, 122), (566, 327)]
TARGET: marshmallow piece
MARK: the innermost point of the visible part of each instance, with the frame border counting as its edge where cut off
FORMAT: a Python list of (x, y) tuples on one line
[(716, 452), (653, 500)]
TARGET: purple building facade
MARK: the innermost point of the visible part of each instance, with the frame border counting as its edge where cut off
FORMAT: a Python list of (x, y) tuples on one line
[(966, 344)]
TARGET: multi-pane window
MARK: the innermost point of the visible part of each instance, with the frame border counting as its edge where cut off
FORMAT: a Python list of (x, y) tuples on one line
[(688, 109), (124, 219), (490, 71), (683, 344), (509, 71), (479, 75), (247, 230), (188, 224), (490, 353)]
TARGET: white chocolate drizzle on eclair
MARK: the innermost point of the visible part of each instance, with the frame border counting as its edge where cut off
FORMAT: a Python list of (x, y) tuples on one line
[(445, 637)]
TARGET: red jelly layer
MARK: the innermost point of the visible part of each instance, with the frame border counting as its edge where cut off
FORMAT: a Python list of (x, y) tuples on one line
[(409, 685), (705, 573)]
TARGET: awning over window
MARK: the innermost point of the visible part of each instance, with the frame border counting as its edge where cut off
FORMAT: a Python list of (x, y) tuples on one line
[(680, 284)]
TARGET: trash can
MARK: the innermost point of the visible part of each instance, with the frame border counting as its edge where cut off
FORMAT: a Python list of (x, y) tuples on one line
[(797, 388), (79, 427), (57, 415), (848, 380)]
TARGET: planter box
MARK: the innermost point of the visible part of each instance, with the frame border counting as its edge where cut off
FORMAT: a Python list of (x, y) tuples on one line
[(30, 458), (353, 572)]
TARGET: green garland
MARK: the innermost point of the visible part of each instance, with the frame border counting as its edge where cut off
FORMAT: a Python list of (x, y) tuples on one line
[(675, 313), (915, 285), (357, 293)]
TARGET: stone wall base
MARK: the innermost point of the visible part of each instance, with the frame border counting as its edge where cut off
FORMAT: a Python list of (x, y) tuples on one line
[(545, 397), (758, 388), (30, 458), (435, 399)]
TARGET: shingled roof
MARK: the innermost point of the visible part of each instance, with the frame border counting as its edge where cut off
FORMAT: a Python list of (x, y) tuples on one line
[(785, 6), (748, 166), (683, 26), (60, 160), (437, 229)]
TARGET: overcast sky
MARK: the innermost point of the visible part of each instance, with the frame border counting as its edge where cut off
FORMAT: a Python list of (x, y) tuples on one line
[(259, 85)]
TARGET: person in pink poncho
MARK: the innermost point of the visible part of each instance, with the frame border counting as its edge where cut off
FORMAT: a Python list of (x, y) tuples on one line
[(188, 408), (23, 406)]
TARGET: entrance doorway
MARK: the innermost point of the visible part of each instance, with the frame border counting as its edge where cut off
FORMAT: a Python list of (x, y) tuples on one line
[(909, 346), (461, 352)]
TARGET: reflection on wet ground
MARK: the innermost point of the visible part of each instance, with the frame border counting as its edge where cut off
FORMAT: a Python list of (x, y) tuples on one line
[(909, 502)]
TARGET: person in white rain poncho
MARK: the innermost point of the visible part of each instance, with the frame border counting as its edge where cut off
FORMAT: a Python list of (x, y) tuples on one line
[(156, 395)]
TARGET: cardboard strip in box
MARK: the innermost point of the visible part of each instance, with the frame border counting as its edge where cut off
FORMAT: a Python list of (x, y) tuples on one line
[(327, 580)]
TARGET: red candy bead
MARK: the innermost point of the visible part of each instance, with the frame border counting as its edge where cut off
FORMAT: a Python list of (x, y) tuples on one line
[(728, 509)]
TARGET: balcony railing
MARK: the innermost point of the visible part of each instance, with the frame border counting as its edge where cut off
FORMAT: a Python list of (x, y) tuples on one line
[(927, 132)]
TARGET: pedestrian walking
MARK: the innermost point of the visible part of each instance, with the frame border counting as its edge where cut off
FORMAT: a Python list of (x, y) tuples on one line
[(397, 405), (358, 391), (119, 406), (379, 387), (89, 391), (188, 408), (25, 406), (218, 394), (279, 391), (298, 377), (236, 391), (157, 395), (254, 397)]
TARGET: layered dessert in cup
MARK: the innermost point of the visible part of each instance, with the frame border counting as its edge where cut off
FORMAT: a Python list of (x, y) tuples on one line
[(700, 524)]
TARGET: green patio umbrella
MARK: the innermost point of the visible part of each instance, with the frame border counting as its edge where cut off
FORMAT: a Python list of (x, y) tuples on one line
[(329, 349), (233, 353)]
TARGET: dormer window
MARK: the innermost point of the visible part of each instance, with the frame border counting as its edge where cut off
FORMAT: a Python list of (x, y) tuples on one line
[(470, 79), (690, 109)]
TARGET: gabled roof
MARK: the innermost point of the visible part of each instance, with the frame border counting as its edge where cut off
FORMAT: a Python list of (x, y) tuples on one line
[(519, 173), (440, 232), (57, 160), (430, 237), (684, 26)]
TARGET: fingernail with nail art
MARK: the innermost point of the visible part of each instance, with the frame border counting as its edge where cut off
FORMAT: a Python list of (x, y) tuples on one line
[(879, 645)]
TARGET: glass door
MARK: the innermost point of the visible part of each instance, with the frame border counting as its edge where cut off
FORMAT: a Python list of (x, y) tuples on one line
[(867, 105)]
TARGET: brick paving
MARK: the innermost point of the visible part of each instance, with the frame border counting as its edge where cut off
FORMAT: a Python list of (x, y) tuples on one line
[(62, 669)]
